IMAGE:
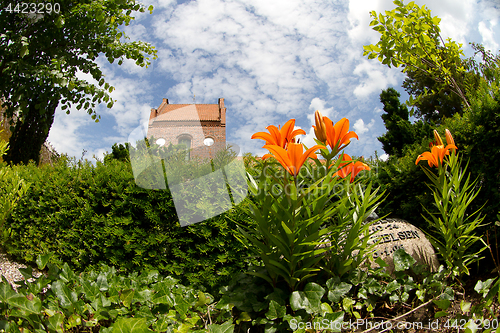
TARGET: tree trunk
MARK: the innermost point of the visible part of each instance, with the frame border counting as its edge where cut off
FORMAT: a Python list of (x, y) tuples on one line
[(30, 132)]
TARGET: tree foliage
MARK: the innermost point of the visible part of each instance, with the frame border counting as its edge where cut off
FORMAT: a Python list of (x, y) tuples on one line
[(410, 38), (41, 55), (400, 131), (437, 104)]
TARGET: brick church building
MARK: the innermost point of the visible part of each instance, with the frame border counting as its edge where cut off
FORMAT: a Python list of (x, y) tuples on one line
[(199, 127)]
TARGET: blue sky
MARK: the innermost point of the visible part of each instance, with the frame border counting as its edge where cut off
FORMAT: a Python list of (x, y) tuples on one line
[(270, 60)]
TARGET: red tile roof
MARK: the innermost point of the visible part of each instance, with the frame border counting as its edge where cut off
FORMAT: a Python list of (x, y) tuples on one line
[(207, 112)]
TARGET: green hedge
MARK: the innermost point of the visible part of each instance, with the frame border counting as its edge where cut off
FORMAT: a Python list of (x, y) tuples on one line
[(90, 215)]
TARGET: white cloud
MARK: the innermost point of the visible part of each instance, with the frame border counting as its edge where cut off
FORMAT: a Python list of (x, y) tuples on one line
[(360, 127), (359, 18), (266, 58), (375, 77), (487, 34), (320, 105)]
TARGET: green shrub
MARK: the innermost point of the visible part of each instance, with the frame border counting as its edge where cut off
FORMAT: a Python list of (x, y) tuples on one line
[(12, 188), (88, 215)]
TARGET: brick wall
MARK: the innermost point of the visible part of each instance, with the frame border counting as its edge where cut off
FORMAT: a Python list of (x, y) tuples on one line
[(173, 130)]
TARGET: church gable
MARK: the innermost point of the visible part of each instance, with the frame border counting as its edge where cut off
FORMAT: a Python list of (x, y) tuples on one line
[(195, 125)]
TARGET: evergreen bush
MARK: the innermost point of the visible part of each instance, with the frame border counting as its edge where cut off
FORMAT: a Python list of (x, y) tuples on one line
[(91, 215)]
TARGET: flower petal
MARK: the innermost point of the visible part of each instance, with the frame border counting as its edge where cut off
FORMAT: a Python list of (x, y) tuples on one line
[(270, 139), (281, 155)]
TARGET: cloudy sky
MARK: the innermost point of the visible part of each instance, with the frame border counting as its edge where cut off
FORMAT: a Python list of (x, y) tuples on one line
[(270, 60)]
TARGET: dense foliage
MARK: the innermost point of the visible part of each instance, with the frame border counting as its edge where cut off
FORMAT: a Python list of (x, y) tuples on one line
[(87, 215), (105, 301), (400, 131), (477, 133)]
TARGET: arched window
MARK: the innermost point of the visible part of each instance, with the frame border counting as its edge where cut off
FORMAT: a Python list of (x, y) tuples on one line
[(186, 142)]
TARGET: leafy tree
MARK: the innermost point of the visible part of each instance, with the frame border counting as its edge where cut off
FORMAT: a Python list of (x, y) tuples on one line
[(400, 131), (440, 102), (433, 106), (119, 152), (410, 38), (396, 121), (41, 54)]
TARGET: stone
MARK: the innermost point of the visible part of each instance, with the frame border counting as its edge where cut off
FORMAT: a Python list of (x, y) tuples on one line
[(393, 234)]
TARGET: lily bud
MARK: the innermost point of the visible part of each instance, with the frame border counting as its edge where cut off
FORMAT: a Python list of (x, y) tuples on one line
[(449, 138), (439, 142), (319, 129)]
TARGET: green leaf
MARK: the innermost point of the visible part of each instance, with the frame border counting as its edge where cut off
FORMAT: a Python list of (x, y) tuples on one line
[(163, 323), (443, 304), (56, 323), (130, 325), (309, 299), (6, 291), (465, 306), (102, 282), (244, 316), (24, 51), (74, 320), (202, 299), (42, 260), (335, 320), (66, 297), (402, 260), (181, 305), (23, 306), (163, 294), (275, 310), (440, 314), (227, 327), (392, 286), (126, 297), (338, 292)]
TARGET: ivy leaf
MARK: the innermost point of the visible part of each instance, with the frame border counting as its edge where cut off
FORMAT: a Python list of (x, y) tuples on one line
[(56, 323), (126, 297), (227, 327), (130, 325), (443, 304), (402, 260), (309, 299), (66, 297), (23, 306), (6, 291), (338, 291), (42, 260), (275, 310)]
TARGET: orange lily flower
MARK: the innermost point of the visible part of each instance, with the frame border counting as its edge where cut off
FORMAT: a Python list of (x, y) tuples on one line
[(436, 155), (293, 157), (351, 168), (279, 137), (338, 136), (319, 129)]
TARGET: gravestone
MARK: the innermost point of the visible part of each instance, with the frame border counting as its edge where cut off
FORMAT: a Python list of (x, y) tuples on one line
[(393, 234)]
